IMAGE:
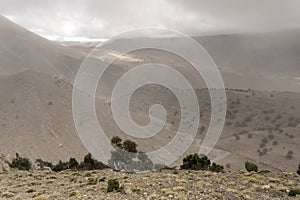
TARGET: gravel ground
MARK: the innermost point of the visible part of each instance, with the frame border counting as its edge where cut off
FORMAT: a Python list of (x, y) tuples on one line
[(153, 185)]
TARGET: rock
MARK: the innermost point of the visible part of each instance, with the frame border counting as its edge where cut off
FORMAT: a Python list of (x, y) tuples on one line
[(266, 187), (8, 195), (230, 196)]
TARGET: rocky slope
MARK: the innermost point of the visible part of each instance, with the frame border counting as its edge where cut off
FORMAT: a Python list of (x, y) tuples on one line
[(179, 185)]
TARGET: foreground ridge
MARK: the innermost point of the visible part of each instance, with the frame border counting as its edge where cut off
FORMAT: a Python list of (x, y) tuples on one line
[(166, 184)]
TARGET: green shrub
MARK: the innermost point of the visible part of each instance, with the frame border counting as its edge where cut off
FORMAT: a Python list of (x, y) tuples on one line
[(250, 167), (114, 185), (127, 145), (127, 157), (130, 146), (20, 163), (216, 168), (61, 166), (294, 192), (116, 141), (88, 164), (195, 162), (73, 163), (43, 164), (91, 164)]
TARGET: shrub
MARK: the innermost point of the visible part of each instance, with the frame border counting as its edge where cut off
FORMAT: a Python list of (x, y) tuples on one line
[(114, 185), (43, 164), (195, 162), (73, 163), (264, 140), (127, 157), (248, 119), (116, 141), (289, 155), (88, 164), (91, 164), (60, 166), (216, 168), (88, 159), (298, 171), (271, 136), (20, 163), (294, 192), (251, 167), (130, 146)]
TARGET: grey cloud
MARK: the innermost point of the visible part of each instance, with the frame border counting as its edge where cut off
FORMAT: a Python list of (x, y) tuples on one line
[(94, 18)]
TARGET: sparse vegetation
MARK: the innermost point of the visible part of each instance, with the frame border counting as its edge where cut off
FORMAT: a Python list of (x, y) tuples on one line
[(202, 162), (251, 167), (290, 155), (114, 185), (88, 164), (20, 163), (216, 168), (116, 141), (294, 192), (127, 157), (130, 146), (42, 164), (195, 162)]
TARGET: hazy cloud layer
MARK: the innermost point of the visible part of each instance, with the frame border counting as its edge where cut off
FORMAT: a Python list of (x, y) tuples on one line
[(97, 19)]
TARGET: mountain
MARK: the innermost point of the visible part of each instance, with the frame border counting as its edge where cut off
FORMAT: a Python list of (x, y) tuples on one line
[(264, 61), (35, 105), (22, 50), (36, 83)]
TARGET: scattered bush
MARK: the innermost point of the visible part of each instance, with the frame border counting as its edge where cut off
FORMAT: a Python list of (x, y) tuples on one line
[(289, 155), (88, 164), (216, 168), (294, 192), (73, 163), (130, 146), (116, 141), (271, 136), (114, 185), (91, 164), (251, 167), (43, 164), (202, 162), (298, 171), (248, 119), (60, 166), (264, 140), (126, 157), (20, 163), (262, 145), (195, 162)]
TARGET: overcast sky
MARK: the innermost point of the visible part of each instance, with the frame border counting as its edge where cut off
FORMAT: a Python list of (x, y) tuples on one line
[(104, 18)]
